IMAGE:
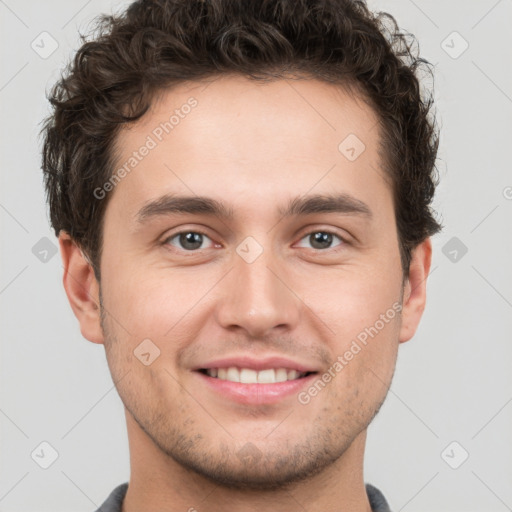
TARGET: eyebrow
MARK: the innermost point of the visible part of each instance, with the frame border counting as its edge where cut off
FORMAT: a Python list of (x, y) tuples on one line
[(300, 206)]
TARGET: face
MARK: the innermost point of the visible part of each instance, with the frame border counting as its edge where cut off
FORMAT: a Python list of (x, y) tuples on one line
[(281, 269)]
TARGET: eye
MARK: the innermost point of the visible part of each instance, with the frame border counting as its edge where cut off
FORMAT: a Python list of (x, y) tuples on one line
[(193, 240), (321, 239), (187, 240)]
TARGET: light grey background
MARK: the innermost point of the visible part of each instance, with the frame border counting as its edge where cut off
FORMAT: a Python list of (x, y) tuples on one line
[(453, 380)]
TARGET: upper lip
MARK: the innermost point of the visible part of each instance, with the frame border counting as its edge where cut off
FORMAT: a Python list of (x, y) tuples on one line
[(261, 363)]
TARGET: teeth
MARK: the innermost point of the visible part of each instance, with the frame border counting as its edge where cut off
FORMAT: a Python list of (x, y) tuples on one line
[(234, 375), (266, 376), (249, 376), (281, 375)]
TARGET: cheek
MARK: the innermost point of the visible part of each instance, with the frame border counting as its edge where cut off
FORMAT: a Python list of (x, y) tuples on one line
[(168, 307), (361, 309), (352, 299), (144, 302)]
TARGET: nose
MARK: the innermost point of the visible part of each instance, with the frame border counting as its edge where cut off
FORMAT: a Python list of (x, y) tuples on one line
[(257, 297)]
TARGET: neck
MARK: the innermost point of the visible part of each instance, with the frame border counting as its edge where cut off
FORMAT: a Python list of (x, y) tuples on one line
[(158, 482)]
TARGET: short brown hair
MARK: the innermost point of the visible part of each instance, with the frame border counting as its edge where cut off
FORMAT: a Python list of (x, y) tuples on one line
[(155, 44)]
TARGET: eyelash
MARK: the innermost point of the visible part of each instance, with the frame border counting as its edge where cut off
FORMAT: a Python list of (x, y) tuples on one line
[(326, 231)]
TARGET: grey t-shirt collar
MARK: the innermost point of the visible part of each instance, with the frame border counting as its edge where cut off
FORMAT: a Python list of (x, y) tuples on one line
[(114, 502)]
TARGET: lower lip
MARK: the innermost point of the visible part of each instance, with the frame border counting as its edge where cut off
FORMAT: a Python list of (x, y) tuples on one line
[(254, 394)]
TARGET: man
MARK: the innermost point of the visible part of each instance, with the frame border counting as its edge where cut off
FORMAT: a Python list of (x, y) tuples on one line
[(242, 194)]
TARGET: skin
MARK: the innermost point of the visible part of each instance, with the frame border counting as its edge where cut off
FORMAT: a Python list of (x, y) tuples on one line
[(254, 147)]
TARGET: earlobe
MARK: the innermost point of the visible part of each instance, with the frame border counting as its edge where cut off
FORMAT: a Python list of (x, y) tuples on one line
[(82, 288), (415, 290)]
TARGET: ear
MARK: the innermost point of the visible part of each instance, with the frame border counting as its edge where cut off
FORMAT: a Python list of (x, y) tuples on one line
[(415, 290), (82, 288)]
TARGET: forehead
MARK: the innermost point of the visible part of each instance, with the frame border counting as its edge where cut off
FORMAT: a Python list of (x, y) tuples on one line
[(246, 141)]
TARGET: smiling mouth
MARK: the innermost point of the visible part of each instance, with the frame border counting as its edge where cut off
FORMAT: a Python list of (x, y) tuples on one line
[(250, 376)]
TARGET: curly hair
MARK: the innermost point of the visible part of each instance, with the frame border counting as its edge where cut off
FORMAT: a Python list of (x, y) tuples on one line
[(155, 44)]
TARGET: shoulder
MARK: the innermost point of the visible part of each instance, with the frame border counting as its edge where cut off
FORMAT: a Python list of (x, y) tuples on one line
[(377, 500), (115, 500)]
